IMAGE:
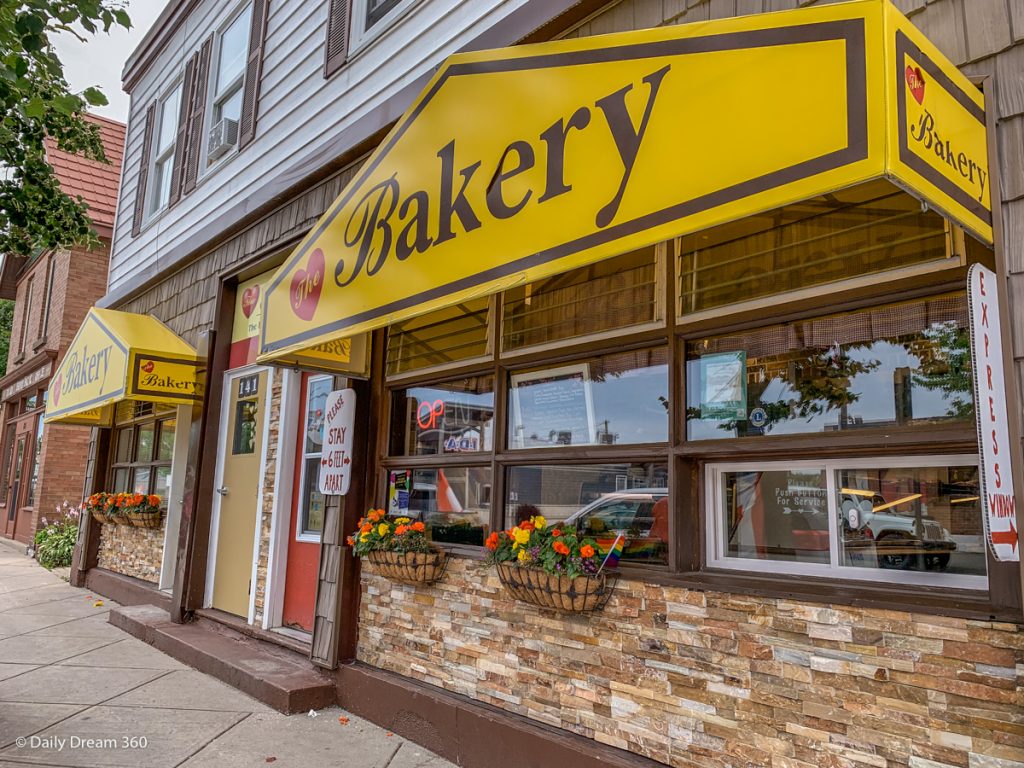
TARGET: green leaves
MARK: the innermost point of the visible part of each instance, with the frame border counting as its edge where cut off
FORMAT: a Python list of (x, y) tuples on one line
[(35, 103)]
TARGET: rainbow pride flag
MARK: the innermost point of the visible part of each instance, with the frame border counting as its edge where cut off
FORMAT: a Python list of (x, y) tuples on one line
[(614, 553)]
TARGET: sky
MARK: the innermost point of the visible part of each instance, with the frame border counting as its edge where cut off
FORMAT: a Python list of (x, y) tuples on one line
[(100, 60)]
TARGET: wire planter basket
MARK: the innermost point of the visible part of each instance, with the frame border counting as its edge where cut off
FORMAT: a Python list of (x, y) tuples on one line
[(582, 594), (414, 568), (149, 519)]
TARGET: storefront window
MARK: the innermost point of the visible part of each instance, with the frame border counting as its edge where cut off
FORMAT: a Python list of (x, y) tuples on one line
[(311, 501), (453, 502), (451, 418), (142, 455), (610, 295), (851, 233), (612, 400), (901, 365), (914, 521), (449, 335), (603, 501)]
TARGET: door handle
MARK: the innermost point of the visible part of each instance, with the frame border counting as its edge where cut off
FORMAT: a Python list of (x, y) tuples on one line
[(223, 490)]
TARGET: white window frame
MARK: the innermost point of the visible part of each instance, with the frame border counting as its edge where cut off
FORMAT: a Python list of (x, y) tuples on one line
[(360, 36), (715, 538), (156, 205), (300, 534), (235, 86)]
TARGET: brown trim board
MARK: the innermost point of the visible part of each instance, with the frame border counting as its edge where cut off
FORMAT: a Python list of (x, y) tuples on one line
[(849, 30), (551, 17)]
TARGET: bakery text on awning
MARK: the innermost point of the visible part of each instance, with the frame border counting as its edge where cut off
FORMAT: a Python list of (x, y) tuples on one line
[(121, 356), (516, 164)]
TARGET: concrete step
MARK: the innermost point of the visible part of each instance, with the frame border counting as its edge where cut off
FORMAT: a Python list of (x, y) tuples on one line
[(276, 676)]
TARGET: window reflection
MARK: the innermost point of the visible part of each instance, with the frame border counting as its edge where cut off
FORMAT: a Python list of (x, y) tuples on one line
[(900, 365), (454, 502), (455, 417), (611, 400)]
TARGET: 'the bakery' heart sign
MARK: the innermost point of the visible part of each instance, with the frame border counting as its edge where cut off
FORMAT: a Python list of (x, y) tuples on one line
[(915, 81), (250, 298), (307, 283)]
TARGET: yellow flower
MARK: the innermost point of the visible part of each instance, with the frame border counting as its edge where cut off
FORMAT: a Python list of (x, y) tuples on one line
[(521, 537), (524, 556), (403, 520), (382, 529), (538, 521), (364, 536)]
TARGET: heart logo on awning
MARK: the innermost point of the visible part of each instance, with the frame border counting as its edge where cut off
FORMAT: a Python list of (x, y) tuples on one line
[(148, 366), (916, 82), (306, 286)]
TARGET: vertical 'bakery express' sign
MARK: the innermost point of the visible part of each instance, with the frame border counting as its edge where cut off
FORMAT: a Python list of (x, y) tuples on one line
[(521, 163)]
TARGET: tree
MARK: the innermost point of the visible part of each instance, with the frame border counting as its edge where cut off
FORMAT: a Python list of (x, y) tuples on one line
[(36, 102)]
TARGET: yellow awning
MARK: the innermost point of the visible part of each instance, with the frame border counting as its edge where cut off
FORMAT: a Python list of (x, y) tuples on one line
[(516, 164), (121, 356)]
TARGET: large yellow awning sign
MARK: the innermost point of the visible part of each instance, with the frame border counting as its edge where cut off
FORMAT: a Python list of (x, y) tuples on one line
[(121, 356), (520, 163)]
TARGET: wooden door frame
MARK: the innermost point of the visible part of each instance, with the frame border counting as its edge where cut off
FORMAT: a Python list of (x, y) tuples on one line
[(218, 479)]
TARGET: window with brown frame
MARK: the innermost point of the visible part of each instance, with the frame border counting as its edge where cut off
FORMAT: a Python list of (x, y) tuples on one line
[(567, 405), (142, 449)]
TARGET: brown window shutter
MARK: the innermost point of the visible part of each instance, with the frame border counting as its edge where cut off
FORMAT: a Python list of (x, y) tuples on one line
[(253, 73), (197, 117), (181, 138), (140, 187), (336, 51)]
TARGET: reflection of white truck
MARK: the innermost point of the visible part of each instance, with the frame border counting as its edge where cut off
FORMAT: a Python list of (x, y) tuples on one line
[(899, 539)]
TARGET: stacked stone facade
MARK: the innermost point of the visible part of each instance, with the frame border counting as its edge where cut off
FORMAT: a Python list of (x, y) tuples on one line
[(269, 496), (715, 680), (132, 551)]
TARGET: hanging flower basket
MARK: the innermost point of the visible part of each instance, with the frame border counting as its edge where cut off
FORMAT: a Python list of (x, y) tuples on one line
[(552, 567), (99, 516), (96, 505), (409, 567), (581, 594), (145, 519), (398, 549)]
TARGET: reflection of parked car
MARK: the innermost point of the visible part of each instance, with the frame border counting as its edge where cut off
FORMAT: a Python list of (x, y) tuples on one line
[(899, 539), (641, 514)]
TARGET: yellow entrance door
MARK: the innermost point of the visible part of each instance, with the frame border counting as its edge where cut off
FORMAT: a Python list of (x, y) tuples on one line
[(245, 399)]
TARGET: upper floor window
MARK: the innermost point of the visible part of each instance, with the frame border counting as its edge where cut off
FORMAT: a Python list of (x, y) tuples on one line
[(228, 86), (163, 143), (29, 304), (378, 9), (371, 17)]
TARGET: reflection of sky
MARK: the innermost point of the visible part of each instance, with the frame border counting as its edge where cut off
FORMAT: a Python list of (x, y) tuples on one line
[(874, 404), (630, 404)]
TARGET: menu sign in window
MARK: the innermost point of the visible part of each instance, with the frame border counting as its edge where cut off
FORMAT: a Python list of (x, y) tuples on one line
[(552, 407)]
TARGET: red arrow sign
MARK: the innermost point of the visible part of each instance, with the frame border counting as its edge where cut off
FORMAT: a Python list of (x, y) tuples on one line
[(1006, 537)]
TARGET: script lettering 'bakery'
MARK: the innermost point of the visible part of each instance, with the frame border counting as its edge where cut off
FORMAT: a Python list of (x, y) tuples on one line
[(385, 222), (926, 133)]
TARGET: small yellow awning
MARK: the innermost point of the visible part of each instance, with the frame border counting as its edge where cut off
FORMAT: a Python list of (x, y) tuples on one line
[(121, 356), (525, 162)]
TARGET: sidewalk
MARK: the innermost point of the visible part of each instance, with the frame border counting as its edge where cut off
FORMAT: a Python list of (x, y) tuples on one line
[(75, 691)]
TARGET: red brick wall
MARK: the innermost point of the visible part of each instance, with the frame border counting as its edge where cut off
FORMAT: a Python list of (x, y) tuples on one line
[(79, 280)]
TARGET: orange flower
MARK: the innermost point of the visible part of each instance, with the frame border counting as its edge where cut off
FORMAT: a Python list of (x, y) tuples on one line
[(526, 525), (556, 532), (492, 541), (418, 526), (351, 541), (401, 529), (373, 515), (560, 548), (365, 528), (137, 499), (586, 551), (154, 500)]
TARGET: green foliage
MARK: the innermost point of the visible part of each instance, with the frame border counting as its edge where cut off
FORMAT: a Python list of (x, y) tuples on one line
[(550, 548), (6, 321), (55, 541), (946, 367), (36, 102)]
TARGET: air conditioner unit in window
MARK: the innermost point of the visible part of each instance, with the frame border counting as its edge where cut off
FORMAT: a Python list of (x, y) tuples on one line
[(223, 138)]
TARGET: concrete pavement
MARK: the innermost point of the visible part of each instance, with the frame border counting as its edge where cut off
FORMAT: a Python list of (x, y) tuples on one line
[(78, 692)]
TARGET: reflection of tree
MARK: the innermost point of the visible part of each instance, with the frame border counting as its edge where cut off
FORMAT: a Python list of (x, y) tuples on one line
[(944, 352), (819, 380)]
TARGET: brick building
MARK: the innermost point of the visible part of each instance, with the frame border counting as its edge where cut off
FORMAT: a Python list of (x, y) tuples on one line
[(42, 466)]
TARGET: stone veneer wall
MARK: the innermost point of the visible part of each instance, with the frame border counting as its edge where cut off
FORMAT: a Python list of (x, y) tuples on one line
[(132, 551), (269, 493), (708, 680)]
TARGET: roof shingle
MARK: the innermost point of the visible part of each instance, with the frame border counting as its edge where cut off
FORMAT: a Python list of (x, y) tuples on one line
[(96, 183)]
